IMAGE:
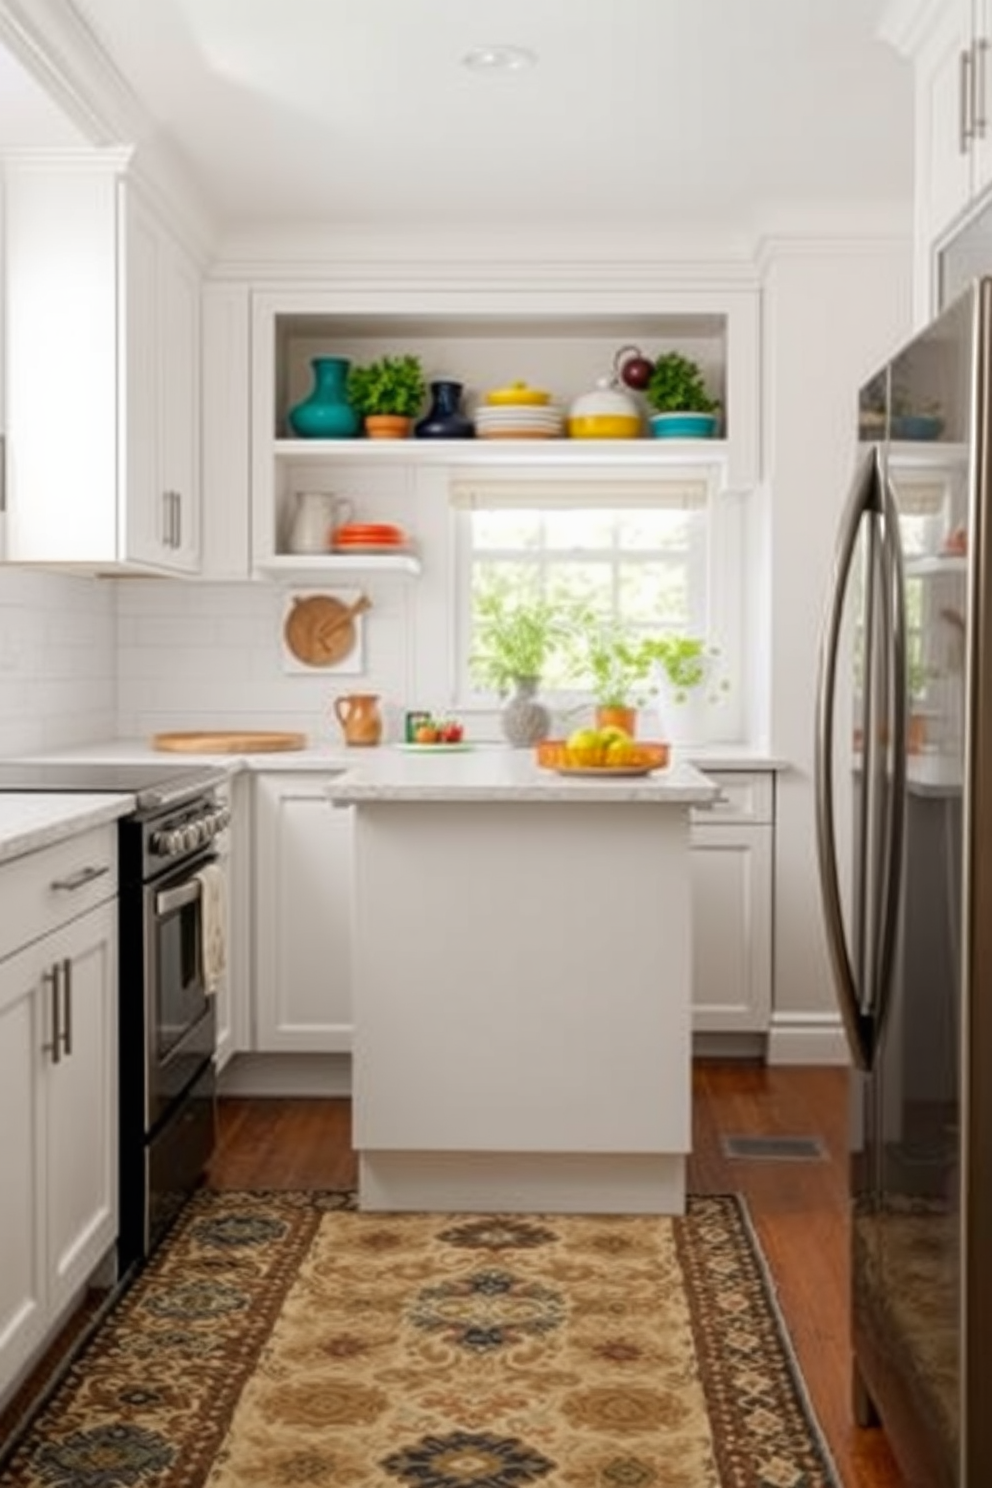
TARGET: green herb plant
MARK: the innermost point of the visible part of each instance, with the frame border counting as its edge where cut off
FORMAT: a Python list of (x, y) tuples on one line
[(390, 385), (676, 386), (623, 665), (515, 639)]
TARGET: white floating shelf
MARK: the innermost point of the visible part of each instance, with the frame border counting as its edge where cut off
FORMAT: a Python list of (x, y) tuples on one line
[(496, 452), (338, 565)]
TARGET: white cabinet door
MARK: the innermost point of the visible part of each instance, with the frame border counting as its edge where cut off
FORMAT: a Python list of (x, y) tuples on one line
[(945, 81), (23, 1299), (731, 928), (82, 1103), (161, 394), (234, 853), (303, 899), (105, 474)]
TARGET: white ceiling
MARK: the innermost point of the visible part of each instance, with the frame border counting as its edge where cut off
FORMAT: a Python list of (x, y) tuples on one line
[(647, 113)]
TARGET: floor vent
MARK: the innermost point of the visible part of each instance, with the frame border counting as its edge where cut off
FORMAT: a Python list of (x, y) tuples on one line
[(780, 1149)]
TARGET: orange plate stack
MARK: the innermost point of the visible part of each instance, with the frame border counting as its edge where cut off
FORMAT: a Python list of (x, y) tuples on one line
[(368, 537)]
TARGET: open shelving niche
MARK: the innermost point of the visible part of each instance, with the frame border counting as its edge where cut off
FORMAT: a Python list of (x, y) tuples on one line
[(565, 355)]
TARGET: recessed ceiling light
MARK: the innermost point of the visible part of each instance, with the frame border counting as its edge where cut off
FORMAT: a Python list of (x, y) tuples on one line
[(499, 59)]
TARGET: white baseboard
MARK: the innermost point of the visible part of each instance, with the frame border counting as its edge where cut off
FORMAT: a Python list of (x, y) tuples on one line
[(290, 1075), (807, 1038)]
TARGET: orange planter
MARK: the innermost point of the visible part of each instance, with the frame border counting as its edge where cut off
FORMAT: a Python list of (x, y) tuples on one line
[(625, 718), (387, 426)]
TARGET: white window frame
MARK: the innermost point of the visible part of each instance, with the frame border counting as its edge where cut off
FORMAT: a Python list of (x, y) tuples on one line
[(724, 556)]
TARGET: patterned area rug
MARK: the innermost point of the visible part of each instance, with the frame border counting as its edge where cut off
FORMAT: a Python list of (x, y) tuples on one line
[(281, 1340)]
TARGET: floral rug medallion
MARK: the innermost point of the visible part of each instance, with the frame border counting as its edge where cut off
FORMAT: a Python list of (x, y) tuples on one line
[(282, 1340)]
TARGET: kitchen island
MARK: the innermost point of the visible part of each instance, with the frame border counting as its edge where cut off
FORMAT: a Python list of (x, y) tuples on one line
[(521, 981)]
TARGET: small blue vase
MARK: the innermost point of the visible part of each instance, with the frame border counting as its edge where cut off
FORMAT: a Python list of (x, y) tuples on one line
[(326, 413), (444, 419)]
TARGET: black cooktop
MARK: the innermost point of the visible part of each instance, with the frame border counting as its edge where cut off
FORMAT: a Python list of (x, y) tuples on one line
[(152, 784)]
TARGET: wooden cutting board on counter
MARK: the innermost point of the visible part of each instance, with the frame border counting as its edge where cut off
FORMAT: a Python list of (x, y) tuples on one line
[(229, 741)]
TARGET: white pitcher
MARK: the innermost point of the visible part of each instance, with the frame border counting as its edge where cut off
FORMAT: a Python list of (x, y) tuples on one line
[(316, 516)]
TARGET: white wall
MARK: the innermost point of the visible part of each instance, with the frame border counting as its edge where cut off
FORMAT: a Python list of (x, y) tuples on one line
[(831, 316), (58, 661)]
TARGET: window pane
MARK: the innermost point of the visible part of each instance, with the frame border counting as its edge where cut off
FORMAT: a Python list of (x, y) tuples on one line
[(654, 594), (578, 529), (514, 581), (657, 529), (506, 529)]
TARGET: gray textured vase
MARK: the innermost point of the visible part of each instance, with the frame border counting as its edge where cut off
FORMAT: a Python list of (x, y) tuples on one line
[(525, 720)]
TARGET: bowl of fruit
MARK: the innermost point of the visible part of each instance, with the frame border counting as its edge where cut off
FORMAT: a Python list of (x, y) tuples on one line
[(427, 733), (602, 751)]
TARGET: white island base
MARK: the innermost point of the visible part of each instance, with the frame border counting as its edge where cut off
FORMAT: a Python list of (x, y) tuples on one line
[(522, 999)]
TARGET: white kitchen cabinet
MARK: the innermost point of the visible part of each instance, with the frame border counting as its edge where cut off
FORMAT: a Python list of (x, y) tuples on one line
[(302, 920), (948, 42), (102, 373), (58, 1088), (731, 865), (234, 853)]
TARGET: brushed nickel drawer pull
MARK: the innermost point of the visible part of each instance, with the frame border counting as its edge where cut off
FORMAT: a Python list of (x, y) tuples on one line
[(66, 1006), (50, 978), (81, 878)]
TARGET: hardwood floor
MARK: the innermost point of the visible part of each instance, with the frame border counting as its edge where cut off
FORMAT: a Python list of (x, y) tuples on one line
[(799, 1208)]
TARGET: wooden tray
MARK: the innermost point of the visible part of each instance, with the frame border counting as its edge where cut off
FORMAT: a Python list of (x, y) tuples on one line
[(229, 741)]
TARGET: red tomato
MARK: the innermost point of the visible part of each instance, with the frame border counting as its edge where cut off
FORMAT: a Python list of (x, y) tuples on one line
[(452, 732)]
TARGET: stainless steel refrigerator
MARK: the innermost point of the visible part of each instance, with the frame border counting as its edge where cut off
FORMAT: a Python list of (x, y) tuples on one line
[(904, 827)]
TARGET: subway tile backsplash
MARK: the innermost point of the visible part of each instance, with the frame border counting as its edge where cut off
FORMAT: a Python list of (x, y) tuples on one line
[(58, 660)]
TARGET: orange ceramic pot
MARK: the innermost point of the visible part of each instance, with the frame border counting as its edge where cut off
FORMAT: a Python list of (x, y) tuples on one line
[(625, 718), (387, 426)]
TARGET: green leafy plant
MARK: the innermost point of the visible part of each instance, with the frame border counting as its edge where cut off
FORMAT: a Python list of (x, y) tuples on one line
[(623, 666), (389, 385), (514, 638), (676, 386)]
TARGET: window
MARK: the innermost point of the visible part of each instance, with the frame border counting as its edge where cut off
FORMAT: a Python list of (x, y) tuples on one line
[(661, 555)]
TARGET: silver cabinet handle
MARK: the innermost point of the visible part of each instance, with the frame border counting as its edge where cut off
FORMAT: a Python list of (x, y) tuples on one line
[(80, 879), (179, 518), (171, 899), (50, 979), (166, 519), (966, 100), (979, 122), (66, 966)]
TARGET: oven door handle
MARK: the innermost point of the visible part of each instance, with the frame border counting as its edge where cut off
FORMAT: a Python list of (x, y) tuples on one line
[(172, 899)]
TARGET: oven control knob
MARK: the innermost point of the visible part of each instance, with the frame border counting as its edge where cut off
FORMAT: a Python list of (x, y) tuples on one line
[(166, 844), (192, 836)]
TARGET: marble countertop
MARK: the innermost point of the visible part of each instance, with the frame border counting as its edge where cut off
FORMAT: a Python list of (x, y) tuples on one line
[(494, 773), (35, 819)]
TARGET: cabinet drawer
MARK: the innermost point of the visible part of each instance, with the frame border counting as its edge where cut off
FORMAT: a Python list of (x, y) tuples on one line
[(745, 796), (47, 888)]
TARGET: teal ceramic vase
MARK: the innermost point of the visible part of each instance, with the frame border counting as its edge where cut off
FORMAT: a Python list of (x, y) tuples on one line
[(326, 413)]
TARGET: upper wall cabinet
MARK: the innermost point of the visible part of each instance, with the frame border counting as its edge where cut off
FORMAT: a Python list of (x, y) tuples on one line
[(484, 338), (948, 41), (102, 373)]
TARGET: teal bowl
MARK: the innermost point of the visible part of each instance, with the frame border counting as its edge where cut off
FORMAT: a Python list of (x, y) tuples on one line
[(683, 425)]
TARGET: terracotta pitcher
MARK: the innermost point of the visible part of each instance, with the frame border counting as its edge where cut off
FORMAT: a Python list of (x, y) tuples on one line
[(359, 717)]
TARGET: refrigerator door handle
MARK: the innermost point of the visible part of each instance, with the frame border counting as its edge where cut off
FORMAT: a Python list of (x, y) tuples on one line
[(896, 600), (865, 496)]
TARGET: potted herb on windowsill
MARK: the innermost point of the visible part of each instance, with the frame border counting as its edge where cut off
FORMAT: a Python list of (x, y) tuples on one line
[(619, 666), (513, 643), (682, 407), (388, 394)]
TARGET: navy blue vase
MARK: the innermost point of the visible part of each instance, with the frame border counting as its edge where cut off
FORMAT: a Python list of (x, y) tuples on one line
[(444, 419), (326, 413)]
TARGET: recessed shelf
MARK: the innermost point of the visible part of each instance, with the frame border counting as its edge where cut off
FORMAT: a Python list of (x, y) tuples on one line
[(940, 563), (340, 565)]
